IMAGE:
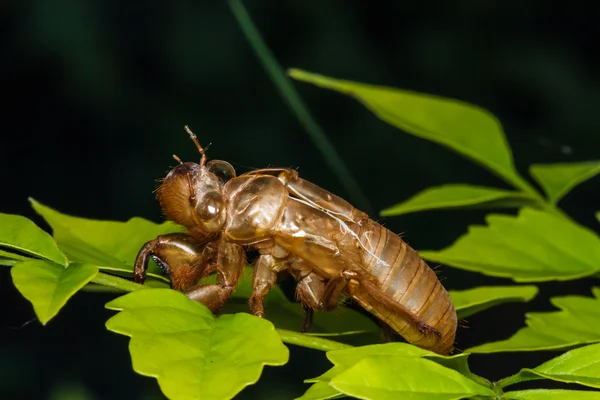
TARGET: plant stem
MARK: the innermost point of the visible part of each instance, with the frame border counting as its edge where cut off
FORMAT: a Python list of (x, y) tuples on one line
[(292, 98), (311, 342), (517, 378), (116, 282)]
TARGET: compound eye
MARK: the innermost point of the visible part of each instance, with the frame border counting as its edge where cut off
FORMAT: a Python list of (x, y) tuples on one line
[(210, 207), (222, 170)]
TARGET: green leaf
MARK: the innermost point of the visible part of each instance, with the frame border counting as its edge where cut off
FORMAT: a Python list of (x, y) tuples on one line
[(188, 350), (20, 234), (558, 179), (598, 215), (458, 195), (580, 366), (311, 342), (577, 323), (552, 394), (379, 377), (535, 246), (13, 256), (48, 286), (8, 262), (110, 244), (344, 359), (471, 301), (9, 258), (464, 128), (321, 391)]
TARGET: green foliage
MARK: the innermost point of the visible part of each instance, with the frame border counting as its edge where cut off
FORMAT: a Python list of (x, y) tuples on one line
[(551, 394), (48, 286), (532, 247), (577, 323), (472, 301), (467, 130), (101, 242), (455, 196), (9, 259), (193, 353), (371, 372), (576, 366), (188, 350), (377, 378), (558, 179), (418, 366), (464, 128), (20, 234)]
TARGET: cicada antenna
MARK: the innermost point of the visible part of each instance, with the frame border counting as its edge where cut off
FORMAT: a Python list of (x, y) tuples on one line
[(177, 159), (200, 149)]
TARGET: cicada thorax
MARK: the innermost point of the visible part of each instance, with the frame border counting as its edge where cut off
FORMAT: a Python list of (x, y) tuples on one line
[(403, 276)]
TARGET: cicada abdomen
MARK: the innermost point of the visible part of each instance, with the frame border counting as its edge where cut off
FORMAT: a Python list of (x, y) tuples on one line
[(410, 297)]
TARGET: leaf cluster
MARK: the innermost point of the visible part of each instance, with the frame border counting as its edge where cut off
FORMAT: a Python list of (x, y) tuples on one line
[(194, 354)]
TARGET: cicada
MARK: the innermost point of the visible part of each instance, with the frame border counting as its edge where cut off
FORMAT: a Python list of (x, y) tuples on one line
[(331, 249)]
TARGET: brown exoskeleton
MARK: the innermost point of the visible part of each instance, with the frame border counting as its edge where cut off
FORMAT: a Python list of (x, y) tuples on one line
[(331, 249)]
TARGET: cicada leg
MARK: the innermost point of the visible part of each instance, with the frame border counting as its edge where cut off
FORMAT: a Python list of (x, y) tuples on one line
[(230, 264), (263, 280), (186, 261), (309, 291), (180, 257), (333, 291)]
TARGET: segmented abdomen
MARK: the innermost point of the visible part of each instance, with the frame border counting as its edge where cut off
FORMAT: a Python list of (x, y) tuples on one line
[(403, 276)]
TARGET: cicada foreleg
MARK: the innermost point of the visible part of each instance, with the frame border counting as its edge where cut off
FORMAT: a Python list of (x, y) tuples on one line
[(229, 267), (182, 259), (186, 261)]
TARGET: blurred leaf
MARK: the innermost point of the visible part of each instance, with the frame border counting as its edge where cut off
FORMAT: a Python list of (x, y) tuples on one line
[(464, 128), (471, 301), (188, 350), (458, 195), (48, 286), (598, 215), (20, 234), (576, 324), (551, 394), (558, 179), (111, 245), (71, 391), (290, 96), (377, 377), (580, 366), (346, 358), (535, 246)]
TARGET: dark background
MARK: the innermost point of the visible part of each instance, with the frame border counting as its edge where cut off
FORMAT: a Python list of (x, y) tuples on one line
[(96, 93)]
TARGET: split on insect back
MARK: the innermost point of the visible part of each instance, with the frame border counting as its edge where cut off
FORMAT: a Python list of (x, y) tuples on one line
[(330, 248)]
